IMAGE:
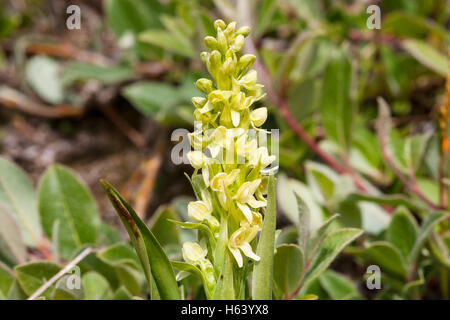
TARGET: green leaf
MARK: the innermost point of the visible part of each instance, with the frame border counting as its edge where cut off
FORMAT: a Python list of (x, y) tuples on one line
[(7, 278), (427, 55), (78, 71), (155, 262), (164, 230), (392, 200), (168, 41), (12, 248), (287, 269), (322, 181), (18, 196), (428, 224), (308, 10), (152, 98), (303, 225), (402, 231), (33, 275), (119, 254), (122, 294), (318, 236), (64, 198), (132, 16), (42, 73), (337, 108), (95, 286), (337, 286), (225, 284), (388, 257), (263, 269), (286, 190), (330, 248)]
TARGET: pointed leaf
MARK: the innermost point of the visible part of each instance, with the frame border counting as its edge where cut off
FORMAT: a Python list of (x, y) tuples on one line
[(287, 268), (153, 259), (402, 231), (33, 275), (328, 251), (387, 257), (263, 269)]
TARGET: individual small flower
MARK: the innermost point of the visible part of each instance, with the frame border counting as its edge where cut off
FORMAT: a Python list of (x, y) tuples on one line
[(201, 211), (193, 253), (245, 195), (197, 159), (261, 157), (258, 117), (220, 182), (240, 241)]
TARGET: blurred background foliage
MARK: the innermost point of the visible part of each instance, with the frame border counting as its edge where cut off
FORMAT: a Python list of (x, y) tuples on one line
[(104, 100)]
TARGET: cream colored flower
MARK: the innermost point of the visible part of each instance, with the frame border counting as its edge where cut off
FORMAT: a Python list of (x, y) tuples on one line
[(193, 253), (240, 241), (258, 117), (245, 196)]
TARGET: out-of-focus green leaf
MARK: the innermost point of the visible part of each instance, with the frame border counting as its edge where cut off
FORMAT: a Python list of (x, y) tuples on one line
[(122, 294), (318, 236), (34, 274), (18, 196), (337, 108), (337, 286), (427, 55), (6, 280), (118, 254), (95, 286), (64, 198), (168, 41), (183, 266), (426, 228), (155, 262), (308, 10), (329, 249), (402, 231), (303, 225), (165, 231), (286, 190), (287, 268), (12, 248), (42, 74), (78, 71), (388, 257), (263, 269)]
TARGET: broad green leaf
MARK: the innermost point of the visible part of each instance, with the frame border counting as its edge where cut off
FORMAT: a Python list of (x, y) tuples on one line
[(287, 268), (122, 294), (95, 286), (78, 71), (338, 286), (389, 199), (118, 254), (187, 267), (427, 55), (42, 74), (337, 107), (155, 262), (18, 196), (402, 231), (318, 236), (286, 190), (328, 251), (168, 41), (132, 16), (303, 225), (64, 198), (7, 278), (428, 224), (388, 257), (12, 248), (263, 269), (165, 231), (34, 274), (160, 101), (439, 249), (62, 290)]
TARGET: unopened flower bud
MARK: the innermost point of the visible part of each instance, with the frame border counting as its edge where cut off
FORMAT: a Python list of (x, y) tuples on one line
[(198, 102), (219, 23), (204, 85), (193, 253), (211, 42), (238, 43), (246, 61), (245, 31)]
